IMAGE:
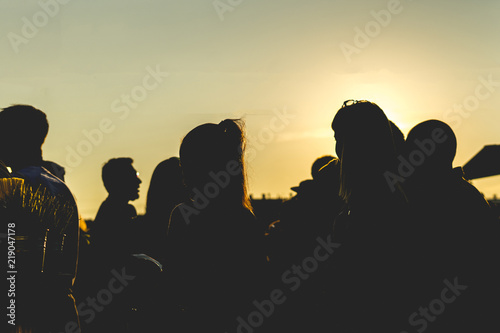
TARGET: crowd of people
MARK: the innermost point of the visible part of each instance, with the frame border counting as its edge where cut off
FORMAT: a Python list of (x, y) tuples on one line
[(386, 237)]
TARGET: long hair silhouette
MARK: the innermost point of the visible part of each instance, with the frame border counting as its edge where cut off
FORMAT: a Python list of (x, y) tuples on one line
[(166, 188), (216, 150), (365, 146)]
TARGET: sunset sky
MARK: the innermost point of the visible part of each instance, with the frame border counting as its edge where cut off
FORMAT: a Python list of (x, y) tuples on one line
[(132, 77)]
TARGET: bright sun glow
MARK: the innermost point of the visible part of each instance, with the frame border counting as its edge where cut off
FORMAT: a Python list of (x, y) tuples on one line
[(145, 75)]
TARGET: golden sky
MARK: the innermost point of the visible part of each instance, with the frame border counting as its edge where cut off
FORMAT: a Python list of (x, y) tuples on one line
[(132, 77)]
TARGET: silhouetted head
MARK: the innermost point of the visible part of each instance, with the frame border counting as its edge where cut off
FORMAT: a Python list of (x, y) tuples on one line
[(166, 188), (319, 163), (23, 129), (431, 147), (212, 161), (365, 146), (120, 178), (328, 176), (306, 189)]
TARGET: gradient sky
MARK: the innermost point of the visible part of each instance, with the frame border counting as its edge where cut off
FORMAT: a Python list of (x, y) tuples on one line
[(254, 59)]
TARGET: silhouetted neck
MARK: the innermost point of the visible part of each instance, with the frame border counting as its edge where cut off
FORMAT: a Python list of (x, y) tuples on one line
[(26, 161), (436, 175), (376, 195), (117, 198)]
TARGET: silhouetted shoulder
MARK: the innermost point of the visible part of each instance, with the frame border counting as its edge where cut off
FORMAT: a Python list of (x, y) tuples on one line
[(473, 194), (37, 175)]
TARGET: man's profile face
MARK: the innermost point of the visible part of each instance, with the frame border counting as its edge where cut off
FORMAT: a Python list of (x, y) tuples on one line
[(131, 183)]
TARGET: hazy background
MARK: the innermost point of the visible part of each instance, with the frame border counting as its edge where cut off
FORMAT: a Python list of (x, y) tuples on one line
[(78, 61)]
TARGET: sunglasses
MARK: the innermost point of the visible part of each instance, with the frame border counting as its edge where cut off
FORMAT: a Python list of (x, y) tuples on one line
[(350, 102)]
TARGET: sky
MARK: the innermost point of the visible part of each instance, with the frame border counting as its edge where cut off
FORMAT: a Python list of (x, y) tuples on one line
[(130, 78)]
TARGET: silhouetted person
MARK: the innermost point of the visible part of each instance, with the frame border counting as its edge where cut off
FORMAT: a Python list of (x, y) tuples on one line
[(166, 190), (307, 216), (327, 179), (215, 252), (369, 277), (46, 243), (112, 228), (457, 232), (114, 238)]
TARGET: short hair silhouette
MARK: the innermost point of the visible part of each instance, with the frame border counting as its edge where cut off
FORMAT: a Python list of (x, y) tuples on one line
[(210, 149), (24, 123), (319, 163), (114, 171), (441, 156), (23, 130)]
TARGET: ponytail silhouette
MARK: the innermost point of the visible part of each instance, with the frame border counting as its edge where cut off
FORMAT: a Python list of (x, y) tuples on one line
[(210, 152)]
